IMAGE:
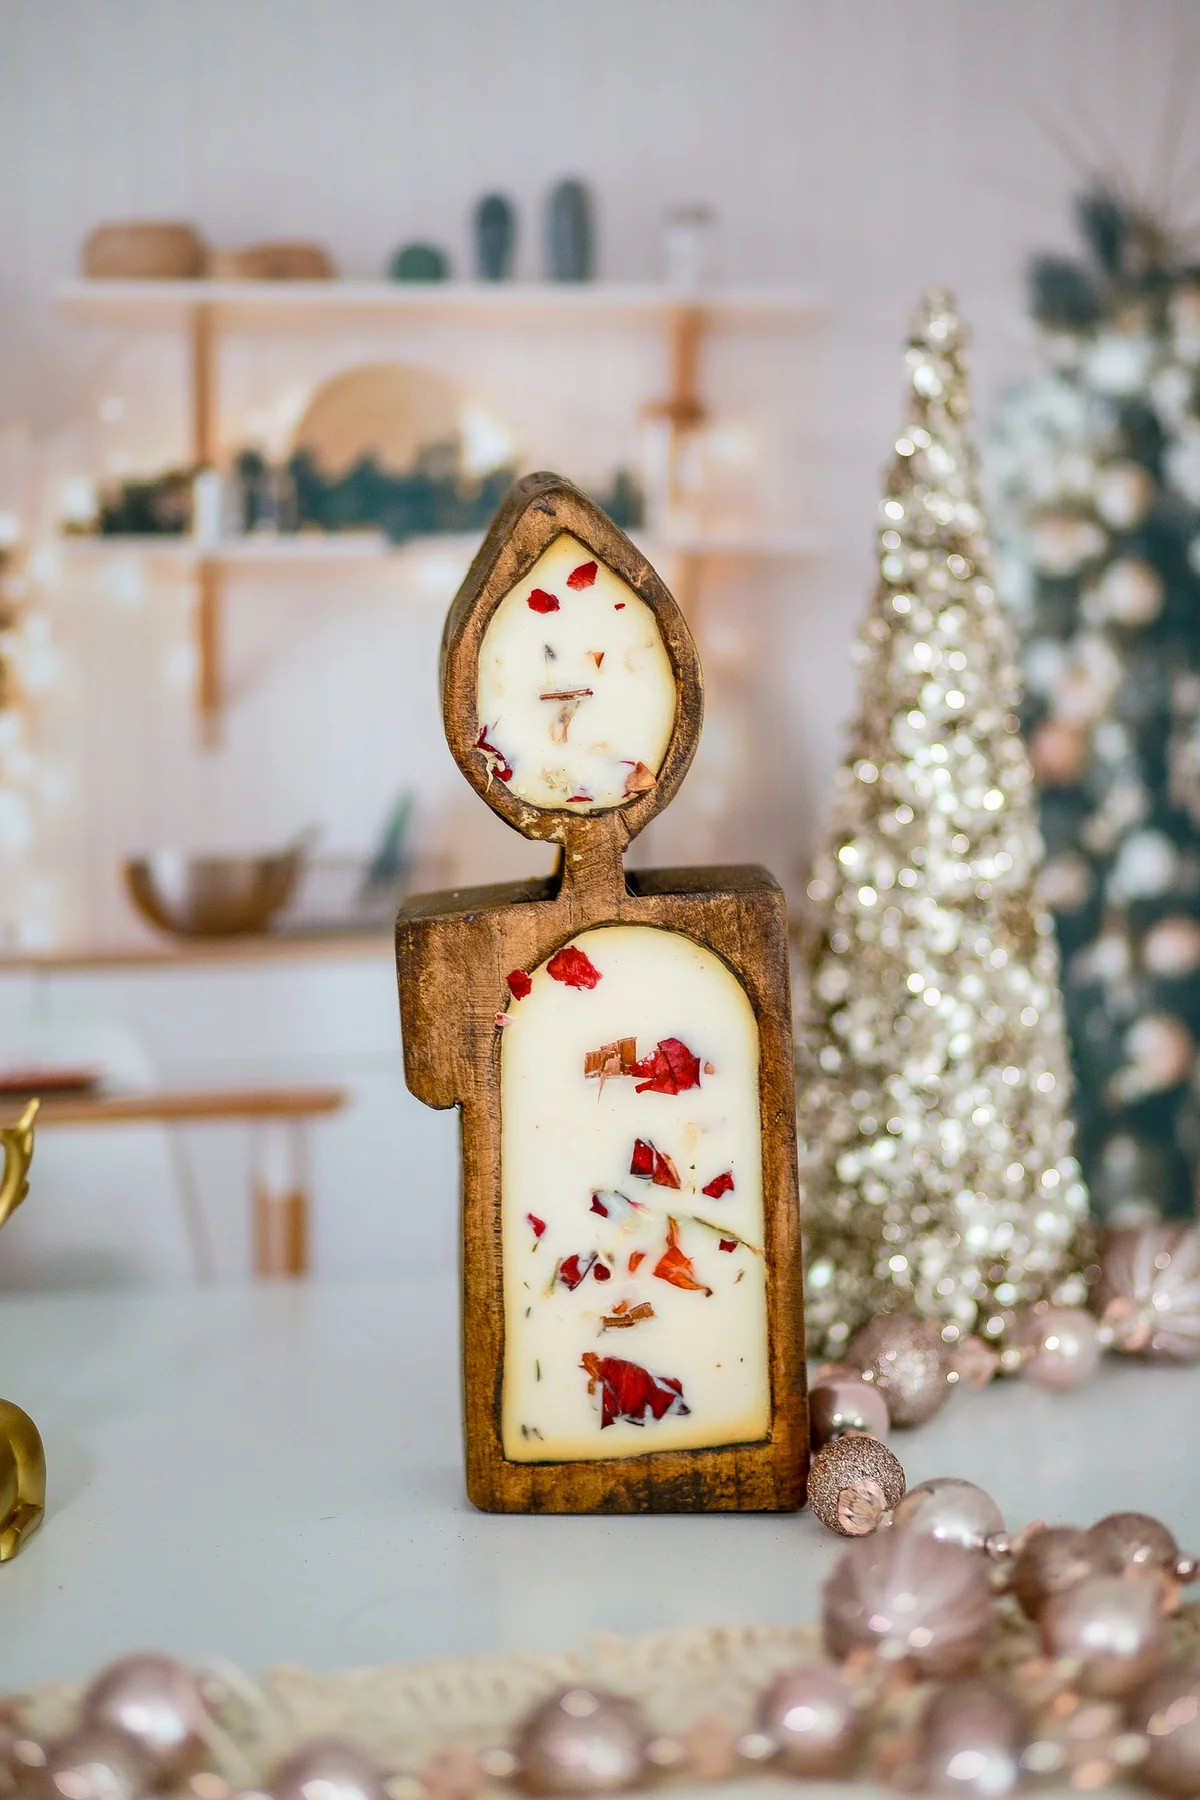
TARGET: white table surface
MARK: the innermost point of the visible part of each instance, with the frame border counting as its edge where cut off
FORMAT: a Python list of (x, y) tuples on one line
[(273, 1475)]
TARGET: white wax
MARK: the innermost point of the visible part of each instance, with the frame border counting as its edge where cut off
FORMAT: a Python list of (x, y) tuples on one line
[(577, 700), (565, 1138)]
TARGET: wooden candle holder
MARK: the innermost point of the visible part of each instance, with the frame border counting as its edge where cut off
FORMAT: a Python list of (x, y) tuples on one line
[(577, 1325)]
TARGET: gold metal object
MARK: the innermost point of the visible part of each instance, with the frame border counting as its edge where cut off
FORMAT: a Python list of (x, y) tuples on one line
[(22, 1458)]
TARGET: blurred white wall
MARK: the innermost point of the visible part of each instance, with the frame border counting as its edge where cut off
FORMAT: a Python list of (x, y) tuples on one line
[(865, 146)]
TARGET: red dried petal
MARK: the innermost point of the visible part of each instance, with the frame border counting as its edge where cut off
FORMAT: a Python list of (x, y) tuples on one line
[(601, 1272), (628, 1391), (720, 1184), (675, 1267), (727, 1244), (542, 602), (539, 1225), (653, 1165), (579, 796), (597, 657), (582, 577), (598, 1206), (574, 1269), (670, 1069), (636, 1259), (500, 766), (573, 968), (519, 983)]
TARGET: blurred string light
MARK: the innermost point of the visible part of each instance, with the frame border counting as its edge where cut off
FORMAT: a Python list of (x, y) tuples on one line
[(29, 789)]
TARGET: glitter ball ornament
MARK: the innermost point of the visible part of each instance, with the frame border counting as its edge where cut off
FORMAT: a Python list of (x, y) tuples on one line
[(907, 1361), (953, 1511), (910, 1599), (816, 1718), (158, 1702), (582, 1741), (852, 1483), (1113, 1628), (1149, 1291), (937, 1164)]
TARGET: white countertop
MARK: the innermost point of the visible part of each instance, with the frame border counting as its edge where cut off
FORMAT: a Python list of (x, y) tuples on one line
[(273, 1475)]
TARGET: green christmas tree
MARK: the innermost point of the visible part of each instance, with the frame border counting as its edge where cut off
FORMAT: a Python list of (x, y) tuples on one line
[(937, 1172), (1096, 472)]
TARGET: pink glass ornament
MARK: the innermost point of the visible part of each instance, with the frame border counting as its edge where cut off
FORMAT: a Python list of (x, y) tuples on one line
[(971, 1737), (1132, 1542), (1167, 1711), (582, 1741), (1050, 1562), (845, 1403), (1062, 1346), (158, 1702), (910, 1598), (953, 1511), (814, 1716), (1113, 1628), (907, 1361), (96, 1762), (327, 1769), (1149, 1291)]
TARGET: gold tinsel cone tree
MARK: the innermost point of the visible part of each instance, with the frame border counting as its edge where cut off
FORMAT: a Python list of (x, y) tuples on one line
[(937, 1172)]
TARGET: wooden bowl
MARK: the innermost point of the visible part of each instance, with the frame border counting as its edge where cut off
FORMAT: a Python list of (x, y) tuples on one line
[(211, 896), (144, 250), (272, 262)]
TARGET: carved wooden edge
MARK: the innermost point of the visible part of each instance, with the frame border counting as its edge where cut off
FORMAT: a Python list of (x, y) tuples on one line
[(452, 972), (539, 509)]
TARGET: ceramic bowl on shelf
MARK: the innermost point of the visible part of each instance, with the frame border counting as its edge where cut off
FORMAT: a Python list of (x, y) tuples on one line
[(212, 896)]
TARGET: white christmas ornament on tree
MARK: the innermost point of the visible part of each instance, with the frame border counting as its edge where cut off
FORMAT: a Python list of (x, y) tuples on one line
[(936, 1159)]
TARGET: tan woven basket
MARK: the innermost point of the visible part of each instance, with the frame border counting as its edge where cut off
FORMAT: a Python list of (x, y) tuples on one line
[(144, 250)]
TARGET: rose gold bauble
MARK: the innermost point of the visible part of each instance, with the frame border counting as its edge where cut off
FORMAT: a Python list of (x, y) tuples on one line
[(971, 1737), (93, 1762), (910, 1599), (327, 1769), (158, 1702), (841, 1403), (1113, 1628), (1134, 1543), (1050, 1562), (908, 1362), (1167, 1711), (953, 1511), (852, 1483), (815, 1717), (1061, 1346), (582, 1741), (1149, 1291)]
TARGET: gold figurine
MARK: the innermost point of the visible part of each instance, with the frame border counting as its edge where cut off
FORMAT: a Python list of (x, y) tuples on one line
[(22, 1459)]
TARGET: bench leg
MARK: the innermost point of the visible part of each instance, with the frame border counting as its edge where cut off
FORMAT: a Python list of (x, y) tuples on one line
[(279, 1191)]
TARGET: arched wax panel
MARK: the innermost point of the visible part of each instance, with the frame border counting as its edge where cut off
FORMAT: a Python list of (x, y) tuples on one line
[(632, 1204), (576, 693)]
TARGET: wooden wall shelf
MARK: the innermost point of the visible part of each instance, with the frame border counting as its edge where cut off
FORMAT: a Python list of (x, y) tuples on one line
[(140, 304), (205, 309), (266, 947)]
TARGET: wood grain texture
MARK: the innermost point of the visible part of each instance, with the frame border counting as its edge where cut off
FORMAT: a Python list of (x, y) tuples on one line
[(453, 955)]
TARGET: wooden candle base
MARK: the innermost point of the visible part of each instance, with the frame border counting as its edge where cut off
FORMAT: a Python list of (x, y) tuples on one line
[(467, 963)]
